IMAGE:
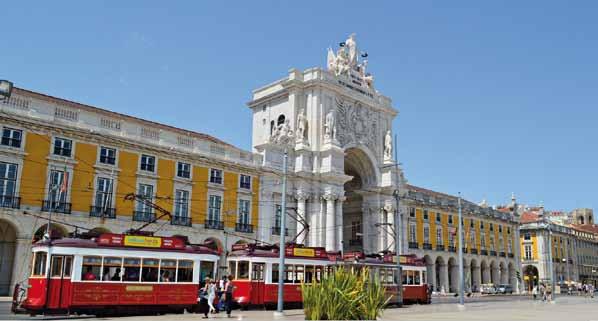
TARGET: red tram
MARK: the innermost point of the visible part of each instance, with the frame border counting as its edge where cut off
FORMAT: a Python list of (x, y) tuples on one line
[(255, 269), (117, 274)]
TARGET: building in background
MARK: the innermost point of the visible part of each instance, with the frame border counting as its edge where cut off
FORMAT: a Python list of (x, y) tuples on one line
[(80, 162), (558, 246)]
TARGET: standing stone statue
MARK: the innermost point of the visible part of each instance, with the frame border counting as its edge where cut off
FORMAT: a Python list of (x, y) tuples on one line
[(388, 146), (301, 126), (330, 127)]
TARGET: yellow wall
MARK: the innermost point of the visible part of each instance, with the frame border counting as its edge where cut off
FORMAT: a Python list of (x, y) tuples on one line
[(229, 211), (432, 220), (33, 176), (445, 231), (487, 234), (478, 239), (255, 201), (199, 197), (467, 236), (83, 177), (165, 186), (127, 182), (534, 246)]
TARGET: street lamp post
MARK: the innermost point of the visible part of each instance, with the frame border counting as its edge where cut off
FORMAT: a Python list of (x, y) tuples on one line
[(281, 249), (460, 256)]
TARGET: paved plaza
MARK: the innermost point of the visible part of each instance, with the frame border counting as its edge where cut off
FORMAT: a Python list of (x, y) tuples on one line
[(493, 308)]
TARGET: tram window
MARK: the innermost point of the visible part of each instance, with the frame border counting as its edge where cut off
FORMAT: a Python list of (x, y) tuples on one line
[(319, 271), (404, 277), (274, 273), (149, 270), (288, 273), (309, 273), (232, 268), (167, 270), (424, 278), (39, 265), (112, 269), (416, 277), (91, 268), (132, 267), (243, 270), (185, 271), (56, 266), (206, 269), (299, 269), (390, 276), (257, 272), (68, 266)]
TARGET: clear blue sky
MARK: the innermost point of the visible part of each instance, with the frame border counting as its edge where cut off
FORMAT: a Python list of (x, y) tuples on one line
[(494, 96)]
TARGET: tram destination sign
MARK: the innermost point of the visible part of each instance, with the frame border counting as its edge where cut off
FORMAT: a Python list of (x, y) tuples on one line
[(109, 239)]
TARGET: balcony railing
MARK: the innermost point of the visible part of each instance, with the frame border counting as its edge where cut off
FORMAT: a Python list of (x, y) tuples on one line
[(502, 254), (473, 251), (439, 247), (56, 207), (143, 216), (484, 252), (10, 201), (492, 253), (214, 225), (427, 246), (180, 220), (464, 250), (452, 249), (98, 211), (276, 231), (353, 242), (413, 245), (244, 228), (511, 255)]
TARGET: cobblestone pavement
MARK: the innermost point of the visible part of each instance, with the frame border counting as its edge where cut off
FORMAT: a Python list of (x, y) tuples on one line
[(497, 308)]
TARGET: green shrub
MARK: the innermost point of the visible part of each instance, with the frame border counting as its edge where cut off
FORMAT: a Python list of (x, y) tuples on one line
[(345, 294)]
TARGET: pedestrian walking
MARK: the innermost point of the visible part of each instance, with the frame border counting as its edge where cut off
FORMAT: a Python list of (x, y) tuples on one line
[(548, 292), (542, 291), (211, 285), (229, 288), (535, 292), (202, 299)]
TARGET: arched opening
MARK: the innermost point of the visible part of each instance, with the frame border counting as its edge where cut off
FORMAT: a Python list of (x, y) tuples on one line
[(530, 277), (503, 274), (8, 237), (581, 220), (214, 244), (56, 231), (475, 275), (357, 225), (453, 269), (441, 275), (280, 120), (494, 273), (485, 272)]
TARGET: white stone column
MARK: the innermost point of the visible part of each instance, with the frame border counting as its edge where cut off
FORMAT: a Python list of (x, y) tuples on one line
[(301, 231), (444, 278), (382, 229), (20, 265), (314, 224), (431, 269), (390, 219), (330, 223), (322, 223), (340, 235), (476, 278), (468, 277)]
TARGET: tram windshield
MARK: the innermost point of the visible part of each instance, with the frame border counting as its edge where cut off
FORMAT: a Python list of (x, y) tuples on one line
[(39, 264)]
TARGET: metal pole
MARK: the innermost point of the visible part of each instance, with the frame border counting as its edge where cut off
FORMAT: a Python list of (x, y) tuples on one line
[(281, 250), (398, 226), (551, 263), (461, 278)]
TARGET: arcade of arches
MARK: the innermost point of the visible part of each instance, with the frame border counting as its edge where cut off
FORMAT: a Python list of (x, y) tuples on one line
[(443, 273)]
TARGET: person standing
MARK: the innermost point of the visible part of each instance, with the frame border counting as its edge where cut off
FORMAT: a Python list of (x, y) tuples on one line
[(535, 292), (211, 295), (229, 287)]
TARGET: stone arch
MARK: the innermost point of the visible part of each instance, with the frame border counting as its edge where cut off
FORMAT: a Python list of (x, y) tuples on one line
[(441, 277), (8, 239), (531, 277), (512, 276), (214, 244), (453, 269), (360, 160), (503, 273), (56, 229), (474, 272), (494, 272)]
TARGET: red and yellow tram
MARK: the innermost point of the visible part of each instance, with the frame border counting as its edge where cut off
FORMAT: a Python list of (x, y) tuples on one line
[(117, 274), (255, 269)]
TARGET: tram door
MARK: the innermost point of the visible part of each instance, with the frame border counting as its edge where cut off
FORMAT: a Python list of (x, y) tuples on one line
[(257, 283), (60, 281)]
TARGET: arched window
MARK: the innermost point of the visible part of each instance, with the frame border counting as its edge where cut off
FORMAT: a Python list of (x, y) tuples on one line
[(280, 120)]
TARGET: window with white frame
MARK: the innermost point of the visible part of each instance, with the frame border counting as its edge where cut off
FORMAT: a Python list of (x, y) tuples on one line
[(492, 245), (510, 246), (181, 204), (426, 234), (63, 147), (439, 241), (215, 176), (11, 137), (8, 183), (104, 188), (148, 163), (411, 212), (58, 186), (451, 237), (146, 191), (107, 155), (472, 238), (528, 252), (412, 232), (245, 181), (438, 217), (183, 170), (244, 218), (214, 207), (501, 244)]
